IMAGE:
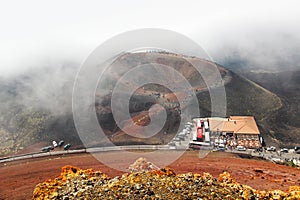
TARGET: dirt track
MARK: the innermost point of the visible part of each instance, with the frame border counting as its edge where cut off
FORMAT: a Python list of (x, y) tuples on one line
[(19, 178)]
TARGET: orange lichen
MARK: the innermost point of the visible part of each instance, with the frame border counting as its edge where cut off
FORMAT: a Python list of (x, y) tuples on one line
[(48, 189), (164, 171), (75, 183), (225, 177)]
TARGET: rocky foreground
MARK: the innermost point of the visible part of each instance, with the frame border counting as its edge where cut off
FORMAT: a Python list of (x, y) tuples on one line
[(146, 181)]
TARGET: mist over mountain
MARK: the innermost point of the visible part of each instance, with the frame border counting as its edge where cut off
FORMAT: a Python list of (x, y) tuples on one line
[(259, 50), (36, 106), (285, 85)]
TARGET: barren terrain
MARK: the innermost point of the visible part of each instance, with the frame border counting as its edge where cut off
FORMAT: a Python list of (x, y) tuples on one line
[(18, 179)]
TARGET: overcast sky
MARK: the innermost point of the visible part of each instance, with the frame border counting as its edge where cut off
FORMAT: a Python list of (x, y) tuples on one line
[(35, 32)]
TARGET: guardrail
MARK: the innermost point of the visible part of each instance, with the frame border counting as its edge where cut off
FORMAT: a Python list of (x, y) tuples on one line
[(39, 154), (17, 156), (88, 150)]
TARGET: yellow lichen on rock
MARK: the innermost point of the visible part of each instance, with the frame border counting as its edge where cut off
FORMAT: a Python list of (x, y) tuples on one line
[(75, 183)]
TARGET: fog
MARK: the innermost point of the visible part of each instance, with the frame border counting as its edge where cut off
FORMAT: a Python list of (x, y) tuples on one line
[(47, 41), (35, 34), (258, 46)]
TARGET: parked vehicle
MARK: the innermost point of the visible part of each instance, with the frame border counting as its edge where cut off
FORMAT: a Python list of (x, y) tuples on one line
[(188, 126), (172, 144), (181, 137), (47, 149), (241, 148), (219, 149), (183, 134), (284, 150), (258, 150), (271, 148), (67, 146), (297, 149), (61, 143), (54, 144)]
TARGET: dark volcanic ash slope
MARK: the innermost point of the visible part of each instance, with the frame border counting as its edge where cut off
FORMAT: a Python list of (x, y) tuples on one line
[(36, 106), (284, 125)]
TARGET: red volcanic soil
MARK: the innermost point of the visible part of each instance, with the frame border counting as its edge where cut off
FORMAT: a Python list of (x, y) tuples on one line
[(19, 178)]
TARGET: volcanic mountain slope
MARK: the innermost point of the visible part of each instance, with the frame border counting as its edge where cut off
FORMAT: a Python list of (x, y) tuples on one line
[(146, 96), (28, 117), (283, 125), (244, 97)]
